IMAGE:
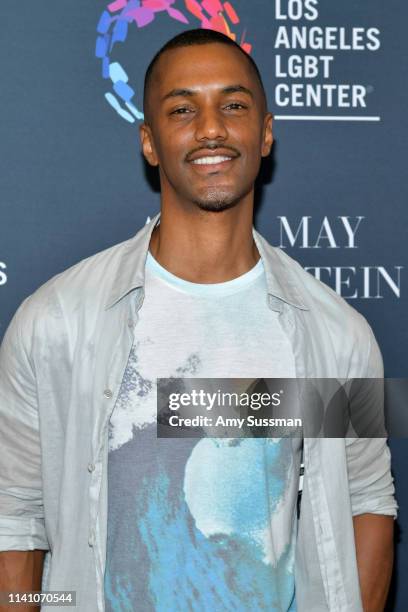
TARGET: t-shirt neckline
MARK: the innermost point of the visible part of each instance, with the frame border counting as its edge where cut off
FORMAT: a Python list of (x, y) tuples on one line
[(204, 289)]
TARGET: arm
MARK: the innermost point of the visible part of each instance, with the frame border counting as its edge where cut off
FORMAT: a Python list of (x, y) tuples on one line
[(23, 537), (373, 503), (375, 551), (21, 571)]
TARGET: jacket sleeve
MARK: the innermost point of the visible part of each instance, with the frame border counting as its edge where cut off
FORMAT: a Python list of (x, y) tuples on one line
[(369, 459), (21, 504)]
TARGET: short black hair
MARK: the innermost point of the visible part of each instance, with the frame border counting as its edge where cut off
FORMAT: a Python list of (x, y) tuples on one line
[(197, 36)]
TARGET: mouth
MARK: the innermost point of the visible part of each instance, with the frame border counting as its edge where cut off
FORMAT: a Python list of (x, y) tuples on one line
[(209, 162), (214, 159)]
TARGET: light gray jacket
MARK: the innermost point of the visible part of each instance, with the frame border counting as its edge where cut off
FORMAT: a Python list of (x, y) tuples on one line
[(61, 365)]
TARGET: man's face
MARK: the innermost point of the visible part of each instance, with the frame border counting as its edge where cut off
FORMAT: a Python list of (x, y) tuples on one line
[(208, 127)]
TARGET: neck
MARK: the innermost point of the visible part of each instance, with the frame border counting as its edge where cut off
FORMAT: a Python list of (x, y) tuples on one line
[(205, 247)]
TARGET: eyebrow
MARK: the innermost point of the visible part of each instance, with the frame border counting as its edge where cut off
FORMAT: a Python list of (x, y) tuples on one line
[(190, 92)]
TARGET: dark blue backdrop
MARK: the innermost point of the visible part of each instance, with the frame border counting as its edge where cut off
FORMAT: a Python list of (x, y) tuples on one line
[(73, 180)]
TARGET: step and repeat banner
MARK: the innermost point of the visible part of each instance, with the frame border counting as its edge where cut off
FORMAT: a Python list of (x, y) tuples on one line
[(333, 194)]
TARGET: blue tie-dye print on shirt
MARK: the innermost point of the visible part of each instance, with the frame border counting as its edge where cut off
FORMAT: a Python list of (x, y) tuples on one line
[(201, 525)]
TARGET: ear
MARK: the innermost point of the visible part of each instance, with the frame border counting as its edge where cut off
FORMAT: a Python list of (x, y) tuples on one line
[(267, 139), (147, 144)]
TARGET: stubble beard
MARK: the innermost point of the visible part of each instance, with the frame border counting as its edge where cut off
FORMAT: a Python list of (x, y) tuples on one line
[(216, 201)]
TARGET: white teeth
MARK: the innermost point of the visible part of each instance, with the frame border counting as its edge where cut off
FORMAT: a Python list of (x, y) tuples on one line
[(216, 159)]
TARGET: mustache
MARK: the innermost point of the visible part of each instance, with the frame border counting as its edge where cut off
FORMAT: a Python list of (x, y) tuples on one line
[(210, 147)]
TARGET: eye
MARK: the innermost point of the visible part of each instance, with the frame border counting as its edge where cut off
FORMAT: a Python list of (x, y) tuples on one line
[(236, 105), (180, 111)]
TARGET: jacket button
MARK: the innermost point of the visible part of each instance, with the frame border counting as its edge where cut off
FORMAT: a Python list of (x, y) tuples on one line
[(91, 467), (108, 393), (91, 539)]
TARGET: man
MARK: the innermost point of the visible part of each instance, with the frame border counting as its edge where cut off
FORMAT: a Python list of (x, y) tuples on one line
[(134, 522)]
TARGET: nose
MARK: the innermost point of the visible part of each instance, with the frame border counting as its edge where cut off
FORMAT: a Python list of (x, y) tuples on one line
[(210, 125)]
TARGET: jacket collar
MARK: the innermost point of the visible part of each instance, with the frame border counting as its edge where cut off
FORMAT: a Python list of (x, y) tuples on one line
[(282, 285), (280, 279)]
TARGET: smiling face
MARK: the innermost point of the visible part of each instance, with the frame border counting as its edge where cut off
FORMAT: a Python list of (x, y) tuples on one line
[(206, 126)]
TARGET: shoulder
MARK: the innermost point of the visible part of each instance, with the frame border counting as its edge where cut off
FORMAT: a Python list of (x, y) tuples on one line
[(69, 300), (317, 294), (75, 300), (87, 280), (334, 322)]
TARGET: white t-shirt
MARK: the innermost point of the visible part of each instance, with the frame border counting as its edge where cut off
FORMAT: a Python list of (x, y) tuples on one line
[(200, 524)]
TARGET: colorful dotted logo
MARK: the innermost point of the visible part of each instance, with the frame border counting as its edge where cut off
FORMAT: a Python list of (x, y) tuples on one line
[(113, 28)]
